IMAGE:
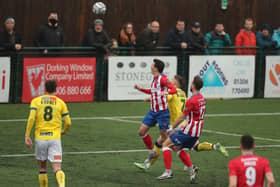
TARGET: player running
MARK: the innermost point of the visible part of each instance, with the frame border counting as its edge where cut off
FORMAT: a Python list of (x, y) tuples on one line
[(189, 134), (249, 170), (47, 112), (159, 113)]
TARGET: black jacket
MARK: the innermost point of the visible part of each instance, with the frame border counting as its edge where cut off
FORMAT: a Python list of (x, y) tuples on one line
[(174, 39), (49, 36), (100, 40), (147, 39), (8, 41), (197, 41)]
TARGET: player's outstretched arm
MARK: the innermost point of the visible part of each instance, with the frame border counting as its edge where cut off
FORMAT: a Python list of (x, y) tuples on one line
[(144, 90), (270, 179), (233, 181)]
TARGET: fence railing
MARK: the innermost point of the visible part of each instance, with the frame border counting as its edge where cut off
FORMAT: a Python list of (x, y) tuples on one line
[(100, 94)]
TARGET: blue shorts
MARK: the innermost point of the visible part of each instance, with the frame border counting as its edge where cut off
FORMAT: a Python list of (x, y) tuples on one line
[(182, 140), (161, 117)]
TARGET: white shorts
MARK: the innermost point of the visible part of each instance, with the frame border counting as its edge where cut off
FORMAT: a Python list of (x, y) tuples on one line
[(48, 150)]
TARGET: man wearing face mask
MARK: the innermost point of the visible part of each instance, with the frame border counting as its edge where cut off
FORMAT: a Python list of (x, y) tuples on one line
[(98, 38), (9, 38), (50, 34)]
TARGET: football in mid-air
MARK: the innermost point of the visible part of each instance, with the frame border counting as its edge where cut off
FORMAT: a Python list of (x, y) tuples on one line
[(99, 8)]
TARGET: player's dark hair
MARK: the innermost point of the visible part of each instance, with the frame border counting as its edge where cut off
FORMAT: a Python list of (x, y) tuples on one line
[(159, 65), (179, 79), (50, 86), (198, 82), (247, 142)]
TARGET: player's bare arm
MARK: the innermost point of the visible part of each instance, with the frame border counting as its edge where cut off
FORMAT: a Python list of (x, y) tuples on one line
[(233, 181), (270, 179), (144, 90)]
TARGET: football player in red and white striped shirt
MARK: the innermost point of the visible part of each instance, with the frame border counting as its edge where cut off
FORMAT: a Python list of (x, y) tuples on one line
[(188, 136), (158, 114), (249, 170)]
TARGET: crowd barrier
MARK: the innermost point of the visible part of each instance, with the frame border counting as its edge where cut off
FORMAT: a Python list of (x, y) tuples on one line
[(84, 75)]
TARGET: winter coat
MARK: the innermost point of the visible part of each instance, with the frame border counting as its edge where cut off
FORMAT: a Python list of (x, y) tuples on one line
[(245, 38), (125, 39), (147, 39), (265, 42), (8, 41), (50, 36), (174, 39)]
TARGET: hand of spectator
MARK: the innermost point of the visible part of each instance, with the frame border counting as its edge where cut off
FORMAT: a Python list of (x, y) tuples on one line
[(45, 51), (223, 33), (18, 47), (184, 45)]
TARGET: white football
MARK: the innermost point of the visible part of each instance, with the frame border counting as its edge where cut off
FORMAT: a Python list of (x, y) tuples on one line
[(99, 8)]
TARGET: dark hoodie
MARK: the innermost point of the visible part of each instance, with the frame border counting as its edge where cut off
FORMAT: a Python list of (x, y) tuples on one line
[(174, 38), (100, 40), (50, 36), (8, 41), (197, 41)]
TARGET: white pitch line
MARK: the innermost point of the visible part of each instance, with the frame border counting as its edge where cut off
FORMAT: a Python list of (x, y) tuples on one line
[(138, 117), (120, 151), (205, 130)]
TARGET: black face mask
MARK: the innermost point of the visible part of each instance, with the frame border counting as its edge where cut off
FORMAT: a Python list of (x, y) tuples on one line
[(53, 22)]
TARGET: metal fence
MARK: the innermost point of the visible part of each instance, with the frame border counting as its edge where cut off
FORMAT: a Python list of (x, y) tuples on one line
[(102, 63)]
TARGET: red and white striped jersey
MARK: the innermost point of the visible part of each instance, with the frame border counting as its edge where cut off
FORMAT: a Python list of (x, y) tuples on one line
[(159, 85), (194, 110)]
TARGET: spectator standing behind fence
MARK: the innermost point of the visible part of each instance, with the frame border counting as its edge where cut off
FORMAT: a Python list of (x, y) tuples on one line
[(246, 38), (276, 36), (50, 34), (197, 41), (217, 39), (9, 38), (177, 37), (264, 38), (127, 37), (149, 38), (98, 37)]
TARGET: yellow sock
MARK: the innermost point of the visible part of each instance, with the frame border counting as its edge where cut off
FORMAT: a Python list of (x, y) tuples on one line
[(60, 177), (157, 150), (205, 146), (43, 179)]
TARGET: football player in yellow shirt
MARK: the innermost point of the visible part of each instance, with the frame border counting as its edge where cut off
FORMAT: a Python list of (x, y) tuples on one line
[(176, 102), (46, 112)]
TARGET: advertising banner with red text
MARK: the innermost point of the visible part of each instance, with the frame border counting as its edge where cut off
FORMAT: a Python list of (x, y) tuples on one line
[(75, 77)]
